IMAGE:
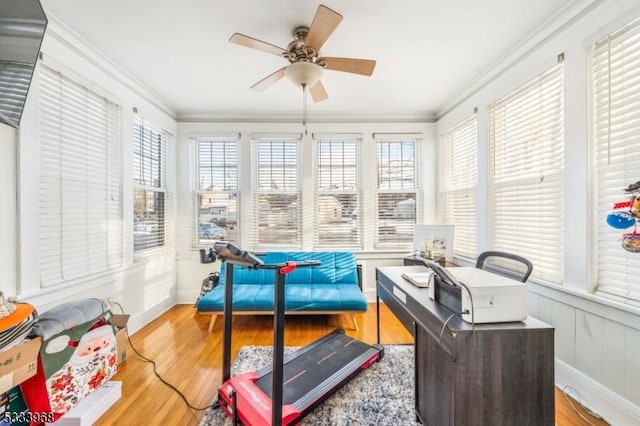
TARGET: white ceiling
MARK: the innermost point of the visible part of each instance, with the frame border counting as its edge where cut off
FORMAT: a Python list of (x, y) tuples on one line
[(427, 51)]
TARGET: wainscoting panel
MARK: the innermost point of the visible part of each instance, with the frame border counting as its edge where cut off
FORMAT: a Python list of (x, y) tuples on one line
[(589, 344), (613, 365)]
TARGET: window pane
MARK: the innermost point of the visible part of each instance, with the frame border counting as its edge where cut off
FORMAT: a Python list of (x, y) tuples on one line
[(397, 209), (277, 219), (338, 220), (148, 155), (396, 217), (148, 219), (217, 164), (396, 165), (217, 186), (149, 171), (217, 217), (338, 193), (337, 167), (278, 165)]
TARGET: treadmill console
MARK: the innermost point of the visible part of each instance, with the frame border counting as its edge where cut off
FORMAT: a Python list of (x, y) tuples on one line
[(232, 254)]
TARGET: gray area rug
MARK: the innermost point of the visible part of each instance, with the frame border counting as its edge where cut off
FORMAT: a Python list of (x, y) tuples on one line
[(379, 395)]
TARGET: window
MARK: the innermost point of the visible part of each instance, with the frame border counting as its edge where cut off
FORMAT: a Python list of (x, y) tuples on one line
[(277, 218), (526, 150), (397, 191), (458, 184), (217, 189), (337, 199), (616, 89), (80, 213), (150, 207)]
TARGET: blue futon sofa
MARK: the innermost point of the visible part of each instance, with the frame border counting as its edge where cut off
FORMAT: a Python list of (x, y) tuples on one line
[(333, 287)]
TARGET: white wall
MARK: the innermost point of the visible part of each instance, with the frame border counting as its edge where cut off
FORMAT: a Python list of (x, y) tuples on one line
[(145, 286), (191, 272), (597, 341)]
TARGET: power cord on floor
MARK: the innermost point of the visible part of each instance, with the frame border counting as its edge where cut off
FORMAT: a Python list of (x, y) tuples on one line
[(578, 397), (215, 404)]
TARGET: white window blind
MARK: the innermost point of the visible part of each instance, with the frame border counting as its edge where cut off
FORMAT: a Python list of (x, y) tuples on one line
[(217, 189), (616, 86), (277, 219), (15, 78), (151, 224), (397, 192), (338, 193), (458, 184), (80, 208), (526, 143)]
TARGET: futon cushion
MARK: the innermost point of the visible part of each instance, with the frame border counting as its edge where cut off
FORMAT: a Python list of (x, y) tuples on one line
[(330, 286)]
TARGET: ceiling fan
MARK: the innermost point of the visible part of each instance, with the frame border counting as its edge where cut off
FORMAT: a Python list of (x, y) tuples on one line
[(303, 53)]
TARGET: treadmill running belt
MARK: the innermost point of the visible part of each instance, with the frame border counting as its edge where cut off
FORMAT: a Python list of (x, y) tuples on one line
[(303, 374)]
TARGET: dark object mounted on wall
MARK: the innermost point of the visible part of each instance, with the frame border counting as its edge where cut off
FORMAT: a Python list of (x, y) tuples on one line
[(207, 256), (22, 26)]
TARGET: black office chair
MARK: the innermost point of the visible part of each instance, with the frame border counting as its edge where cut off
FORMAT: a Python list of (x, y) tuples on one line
[(507, 264)]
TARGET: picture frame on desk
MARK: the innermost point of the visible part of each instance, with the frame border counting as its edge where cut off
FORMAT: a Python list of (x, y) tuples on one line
[(434, 242)]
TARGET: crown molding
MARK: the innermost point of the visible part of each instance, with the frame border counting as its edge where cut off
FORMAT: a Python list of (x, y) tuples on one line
[(205, 117)]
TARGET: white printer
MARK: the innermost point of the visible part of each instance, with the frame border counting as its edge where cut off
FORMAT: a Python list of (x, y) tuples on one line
[(495, 298)]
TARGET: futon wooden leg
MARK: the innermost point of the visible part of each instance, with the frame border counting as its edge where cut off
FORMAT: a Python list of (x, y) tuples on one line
[(212, 322), (355, 323)]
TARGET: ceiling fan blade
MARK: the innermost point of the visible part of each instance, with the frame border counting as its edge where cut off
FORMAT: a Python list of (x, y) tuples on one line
[(324, 23), (318, 94), (269, 80), (254, 43), (355, 66)]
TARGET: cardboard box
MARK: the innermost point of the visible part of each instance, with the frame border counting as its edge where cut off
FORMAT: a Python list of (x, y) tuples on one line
[(19, 363), (89, 409), (120, 322)]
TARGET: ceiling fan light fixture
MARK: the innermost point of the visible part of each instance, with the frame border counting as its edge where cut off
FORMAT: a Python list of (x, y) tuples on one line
[(303, 73)]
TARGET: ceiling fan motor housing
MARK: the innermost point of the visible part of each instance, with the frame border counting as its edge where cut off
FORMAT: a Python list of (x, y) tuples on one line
[(303, 73)]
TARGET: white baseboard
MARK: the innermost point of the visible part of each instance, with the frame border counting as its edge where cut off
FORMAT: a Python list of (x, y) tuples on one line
[(137, 321), (187, 297), (612, 407)]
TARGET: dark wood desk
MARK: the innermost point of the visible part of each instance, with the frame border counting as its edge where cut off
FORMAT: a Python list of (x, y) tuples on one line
[(419, 260), (497, 374)]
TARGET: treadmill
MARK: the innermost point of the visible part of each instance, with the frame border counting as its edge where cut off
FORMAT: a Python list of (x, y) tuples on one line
[(289, 389)]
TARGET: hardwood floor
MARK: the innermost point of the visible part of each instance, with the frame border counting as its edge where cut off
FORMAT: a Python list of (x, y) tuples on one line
[(190, 358)]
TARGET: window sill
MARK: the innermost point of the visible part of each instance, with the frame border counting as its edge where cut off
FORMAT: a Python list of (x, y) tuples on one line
[(591, 303)]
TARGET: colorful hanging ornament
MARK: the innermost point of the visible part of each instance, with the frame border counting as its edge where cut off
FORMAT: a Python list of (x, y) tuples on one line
[(626, 214), (631, 242), (635, 208), (621, 217)]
